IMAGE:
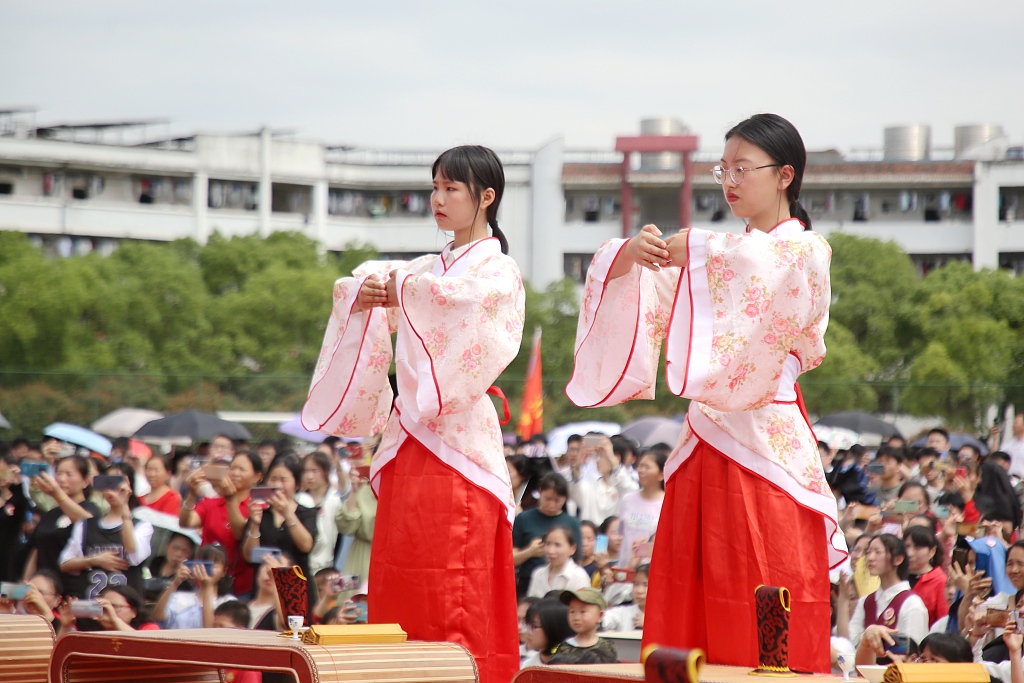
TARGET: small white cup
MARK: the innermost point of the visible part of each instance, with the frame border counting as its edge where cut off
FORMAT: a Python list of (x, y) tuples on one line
[(295, 623)]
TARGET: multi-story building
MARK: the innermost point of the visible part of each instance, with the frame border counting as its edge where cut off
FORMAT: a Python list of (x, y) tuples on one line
[(73, 196)]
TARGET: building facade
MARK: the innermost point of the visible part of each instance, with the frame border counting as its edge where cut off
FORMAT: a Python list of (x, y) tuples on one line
[(559, 206)]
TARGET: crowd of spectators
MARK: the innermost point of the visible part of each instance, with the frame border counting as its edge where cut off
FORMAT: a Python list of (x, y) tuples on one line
[(190, 540)]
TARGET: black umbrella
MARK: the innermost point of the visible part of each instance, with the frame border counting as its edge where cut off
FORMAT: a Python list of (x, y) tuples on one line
[(192, 424), (860, 422)]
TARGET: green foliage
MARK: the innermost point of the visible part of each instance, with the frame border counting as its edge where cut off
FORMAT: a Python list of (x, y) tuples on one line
[(237, 324)]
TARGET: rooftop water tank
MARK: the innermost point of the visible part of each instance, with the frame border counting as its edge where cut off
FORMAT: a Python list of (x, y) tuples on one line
[(908, 143), (967, 137), (663, 161)]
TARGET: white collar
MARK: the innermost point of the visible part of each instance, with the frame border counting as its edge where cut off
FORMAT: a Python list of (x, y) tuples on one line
[(791, 227), (886, 595)]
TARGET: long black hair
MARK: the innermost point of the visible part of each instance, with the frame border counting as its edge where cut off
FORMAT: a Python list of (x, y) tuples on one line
[(780, 140), (480, 168)]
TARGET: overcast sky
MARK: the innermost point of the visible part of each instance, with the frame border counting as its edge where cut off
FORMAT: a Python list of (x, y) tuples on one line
[(517, 73)]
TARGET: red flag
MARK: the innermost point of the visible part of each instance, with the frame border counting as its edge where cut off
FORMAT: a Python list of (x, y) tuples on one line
[(531, 420)]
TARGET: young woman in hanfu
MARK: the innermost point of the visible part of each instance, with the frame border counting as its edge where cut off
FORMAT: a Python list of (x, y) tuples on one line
[(441, 558), (746, 502)]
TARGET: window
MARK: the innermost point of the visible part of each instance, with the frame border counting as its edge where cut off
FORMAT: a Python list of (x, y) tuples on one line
[(6, 188)]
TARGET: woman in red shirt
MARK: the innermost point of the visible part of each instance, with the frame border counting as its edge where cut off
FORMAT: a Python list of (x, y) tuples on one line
[(223, 518), (161, 497), (927, 579)]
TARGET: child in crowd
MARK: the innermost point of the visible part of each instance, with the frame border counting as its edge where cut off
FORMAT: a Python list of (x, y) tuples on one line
[(193, 594), (561, 572), (586, 608), (630, 617), (235, 614), (547, 627), (525, 653)]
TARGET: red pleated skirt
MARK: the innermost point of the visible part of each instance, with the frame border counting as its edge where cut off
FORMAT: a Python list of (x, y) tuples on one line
[(723, 532), (441, 562)]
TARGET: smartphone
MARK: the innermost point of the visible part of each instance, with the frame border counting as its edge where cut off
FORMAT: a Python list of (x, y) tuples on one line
[(865, 512), (876, 468), (960, 556), (215, 471), (363, 471), (196, 463), (904, 506), (192, 564), (32, 468), (592, 440), (961, 472), (967, 529), (601, 544), (997, 617), (902, 644), (345, 582), (361, 616), (621, 575), (1018, 617), (86, 609), (13, 591), (940, 511), (261, 494), (107, 482), (258, 554)]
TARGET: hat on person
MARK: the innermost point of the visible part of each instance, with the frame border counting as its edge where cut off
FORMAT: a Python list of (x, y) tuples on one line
[(591, 596)]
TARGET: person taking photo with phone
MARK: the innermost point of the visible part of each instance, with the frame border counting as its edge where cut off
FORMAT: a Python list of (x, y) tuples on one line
[(108, 550), (224, 517), (894, 609), (598, 500)]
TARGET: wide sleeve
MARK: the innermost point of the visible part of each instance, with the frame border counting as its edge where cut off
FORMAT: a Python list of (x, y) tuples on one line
[(456, 334), (350, 394), (621, 327), (750, 316)]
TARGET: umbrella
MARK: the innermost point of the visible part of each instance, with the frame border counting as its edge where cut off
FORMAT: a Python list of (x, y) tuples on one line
[(558, 438), (80, 436), (191, 424), (4, 424), (648, 431), (124, 421), (837, 438), (161, 520), (293, 427), (958, 440), (861, 423)]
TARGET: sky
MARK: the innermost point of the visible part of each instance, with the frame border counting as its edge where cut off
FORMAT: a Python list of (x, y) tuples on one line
[(515, 74)]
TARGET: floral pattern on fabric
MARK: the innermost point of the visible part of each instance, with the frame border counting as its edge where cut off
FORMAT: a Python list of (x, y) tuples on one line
[(605, 342), (767, 297), (466, 330), (770, 296)]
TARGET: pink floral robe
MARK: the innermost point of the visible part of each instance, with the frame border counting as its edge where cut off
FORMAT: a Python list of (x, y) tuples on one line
[(740, 322)]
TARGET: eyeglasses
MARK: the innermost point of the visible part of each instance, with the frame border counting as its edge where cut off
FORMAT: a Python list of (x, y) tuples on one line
[(736, 174)]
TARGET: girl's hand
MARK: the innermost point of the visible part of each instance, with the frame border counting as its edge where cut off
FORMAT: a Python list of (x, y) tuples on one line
[(1013, 638), (226, 488), (349, 613), (279, 501), (195, 481), (182, 575), (109, 562), (677, 248), (371, 294), (960, 579), (255, 515), (34, 604), (638, 620), (877, 637), (648, 249), (45, 483), (109, 616), (949, 526)]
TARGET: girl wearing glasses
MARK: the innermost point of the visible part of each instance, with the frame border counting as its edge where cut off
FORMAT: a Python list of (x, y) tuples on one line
[(742, 316)]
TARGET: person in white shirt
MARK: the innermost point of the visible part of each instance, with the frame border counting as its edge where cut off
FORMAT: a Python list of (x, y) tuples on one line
[(630, 617), (890, 610), (598, 500), (560, 573), (316, 471), (1015, 446)]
